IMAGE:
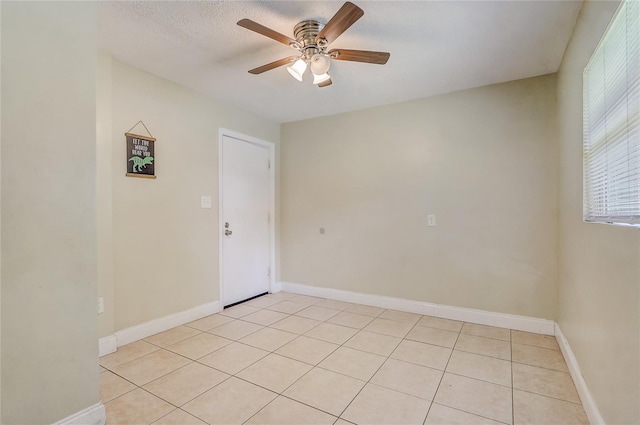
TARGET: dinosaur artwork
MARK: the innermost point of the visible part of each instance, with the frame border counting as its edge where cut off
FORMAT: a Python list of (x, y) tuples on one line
[(140, 162), (141, 158)]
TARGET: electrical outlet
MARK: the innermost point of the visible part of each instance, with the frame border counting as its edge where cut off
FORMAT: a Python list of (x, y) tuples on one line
[(100, 305), (206, 202), (431, 220)]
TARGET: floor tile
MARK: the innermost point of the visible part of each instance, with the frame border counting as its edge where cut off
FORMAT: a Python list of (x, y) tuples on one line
[(333, 304), (268, 339), (274, 372), (389, 327), (308, 350), (126, 353), (474, 396), (480, 367), (408, 378), (438, 323), (210, 322), (443, 415), (422, 354), (233, 358), (485, 346), (354, 363), (238, 311), (295, 324), (199, 345), (546, 382), (288, 307), (351, 320), (400, 316), (284, 411), (263, 302), (486, 331), (136, 407), (179, 417), (235, 330), (172, 336), (325, 390), (112, 386), (185, 384), (527, 338), (537, 356), (536, 409), (152, 366), (370, 342), (365, 310), (265, 317), (231, 402), (319, 354), (433, 336), (317, 313), (329, 332), (380, 405)]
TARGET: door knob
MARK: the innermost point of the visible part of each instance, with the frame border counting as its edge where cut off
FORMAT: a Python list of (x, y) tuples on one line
[(228, 232)]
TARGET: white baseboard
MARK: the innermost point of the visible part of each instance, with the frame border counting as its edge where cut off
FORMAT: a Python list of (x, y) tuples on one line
[(510, 321), (589, 404), (107, 345), (143, 330), (276, 287), (93, 415)]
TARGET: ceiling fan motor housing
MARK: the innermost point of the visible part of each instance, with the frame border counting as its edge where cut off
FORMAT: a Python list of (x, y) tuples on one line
[(306, 33)]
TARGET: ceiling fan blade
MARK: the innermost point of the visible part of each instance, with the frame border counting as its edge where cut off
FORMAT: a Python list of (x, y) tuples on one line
[(272, 65), (325, 83), (379, 58), (268, 32), (343, 19)]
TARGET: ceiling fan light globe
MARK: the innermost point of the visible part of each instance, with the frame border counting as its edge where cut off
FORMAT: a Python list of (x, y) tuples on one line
[(297, 69), (320, 64), (321, 78)]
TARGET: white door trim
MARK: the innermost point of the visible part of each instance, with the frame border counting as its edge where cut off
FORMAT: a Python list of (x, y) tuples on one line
[(272, 202)]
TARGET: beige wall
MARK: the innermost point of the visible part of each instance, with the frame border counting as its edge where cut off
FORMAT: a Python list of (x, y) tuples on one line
[(104, 195), (599, 284), (49, 355), (482, 160), (164, 246), (0, 212)]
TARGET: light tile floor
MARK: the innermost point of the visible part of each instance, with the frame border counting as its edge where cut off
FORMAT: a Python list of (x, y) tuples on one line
[(293, 359)]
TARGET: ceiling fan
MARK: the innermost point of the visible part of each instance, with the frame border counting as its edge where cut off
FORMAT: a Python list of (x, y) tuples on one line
[(312, 39)]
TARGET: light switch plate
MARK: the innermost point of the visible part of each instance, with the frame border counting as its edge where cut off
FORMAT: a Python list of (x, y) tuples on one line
[(431, 220), (206, 202)]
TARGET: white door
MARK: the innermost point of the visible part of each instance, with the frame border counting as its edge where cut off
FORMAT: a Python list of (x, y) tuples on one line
[(245, 215)]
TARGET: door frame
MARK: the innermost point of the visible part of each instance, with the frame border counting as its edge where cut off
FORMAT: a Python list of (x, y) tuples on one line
[(272, 202)]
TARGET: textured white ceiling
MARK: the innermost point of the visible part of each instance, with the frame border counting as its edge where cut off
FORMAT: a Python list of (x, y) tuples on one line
[(436, 47)]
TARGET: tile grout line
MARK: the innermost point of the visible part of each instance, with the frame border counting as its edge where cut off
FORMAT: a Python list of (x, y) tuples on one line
[(281, 394), (380, 367), (443, 373), (269, 352)]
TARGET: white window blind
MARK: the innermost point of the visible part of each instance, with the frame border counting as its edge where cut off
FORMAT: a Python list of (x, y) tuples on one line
[(611, 113)]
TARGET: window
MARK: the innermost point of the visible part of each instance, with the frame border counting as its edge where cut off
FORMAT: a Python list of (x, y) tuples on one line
[(611, 112)]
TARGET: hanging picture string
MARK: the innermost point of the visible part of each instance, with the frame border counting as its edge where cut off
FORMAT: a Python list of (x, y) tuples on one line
[(145, 127)]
